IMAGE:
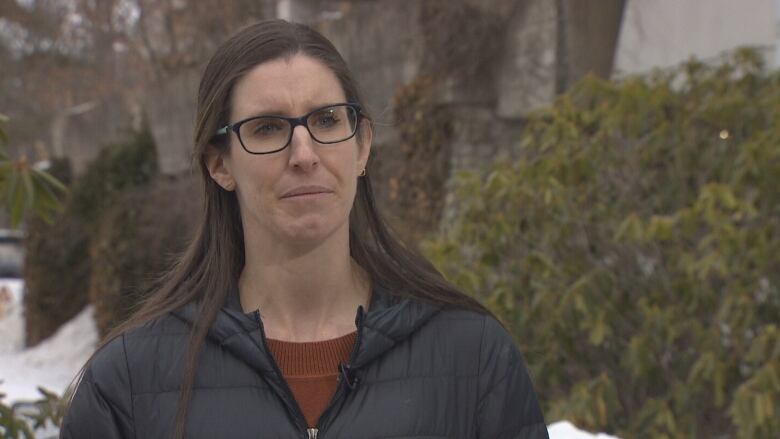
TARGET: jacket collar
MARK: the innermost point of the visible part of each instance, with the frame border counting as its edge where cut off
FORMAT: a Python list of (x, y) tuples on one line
[(389, 320)]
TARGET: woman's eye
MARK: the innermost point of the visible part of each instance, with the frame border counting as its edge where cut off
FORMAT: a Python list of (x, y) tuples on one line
[(328, 119), (266, 128)]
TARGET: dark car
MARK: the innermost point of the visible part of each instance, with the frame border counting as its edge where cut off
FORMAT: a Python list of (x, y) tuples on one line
[(11, 253)]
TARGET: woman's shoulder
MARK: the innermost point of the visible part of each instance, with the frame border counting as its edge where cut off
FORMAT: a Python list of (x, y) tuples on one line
[(139, 344), (485, 325), (121, 367), (503, 378), (166, 325), (480, 334)]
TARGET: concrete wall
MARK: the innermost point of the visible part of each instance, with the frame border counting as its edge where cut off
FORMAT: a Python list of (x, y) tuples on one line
[(80, 132), (170, 111), (384, 42), (527, 52), (663, 33)]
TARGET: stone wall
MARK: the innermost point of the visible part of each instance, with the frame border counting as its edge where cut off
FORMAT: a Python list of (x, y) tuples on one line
[(81, 131), (170, 111), (490, 61)]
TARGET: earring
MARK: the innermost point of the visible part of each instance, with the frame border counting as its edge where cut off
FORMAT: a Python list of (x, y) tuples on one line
[(362, 172)]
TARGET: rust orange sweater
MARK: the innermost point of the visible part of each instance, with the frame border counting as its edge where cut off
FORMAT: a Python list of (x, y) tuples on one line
[(311, 369)]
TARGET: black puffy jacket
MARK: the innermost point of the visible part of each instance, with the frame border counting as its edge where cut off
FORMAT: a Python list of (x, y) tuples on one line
[(415, 372)]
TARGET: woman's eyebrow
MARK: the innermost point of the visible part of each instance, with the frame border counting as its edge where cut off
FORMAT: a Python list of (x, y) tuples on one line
[(275, 110)]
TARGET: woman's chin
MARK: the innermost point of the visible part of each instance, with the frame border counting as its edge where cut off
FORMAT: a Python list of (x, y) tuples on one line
[(308, 230)]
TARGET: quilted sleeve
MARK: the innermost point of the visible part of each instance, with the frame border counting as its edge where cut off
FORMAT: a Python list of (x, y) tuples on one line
[(508, 407), (102, 407)]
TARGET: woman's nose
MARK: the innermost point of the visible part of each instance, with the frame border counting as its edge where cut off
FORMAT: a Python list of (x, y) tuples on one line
[(303, 153)]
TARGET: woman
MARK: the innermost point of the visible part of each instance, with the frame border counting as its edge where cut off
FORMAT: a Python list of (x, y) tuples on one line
[(295, 313)]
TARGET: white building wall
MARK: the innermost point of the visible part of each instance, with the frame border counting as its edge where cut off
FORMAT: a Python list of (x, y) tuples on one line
[(663, 33), (776, 61)]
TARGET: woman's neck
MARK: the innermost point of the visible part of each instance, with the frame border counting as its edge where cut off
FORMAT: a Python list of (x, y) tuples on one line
[(304, 293)]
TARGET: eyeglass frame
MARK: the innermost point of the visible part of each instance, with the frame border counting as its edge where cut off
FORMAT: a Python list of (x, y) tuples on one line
[(294, 122)]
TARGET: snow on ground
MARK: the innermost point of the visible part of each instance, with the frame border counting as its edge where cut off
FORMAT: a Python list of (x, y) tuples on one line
[(54, 362), (565, 430)]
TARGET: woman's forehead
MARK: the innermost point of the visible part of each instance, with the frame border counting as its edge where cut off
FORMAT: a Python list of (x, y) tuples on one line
[(286, 86)]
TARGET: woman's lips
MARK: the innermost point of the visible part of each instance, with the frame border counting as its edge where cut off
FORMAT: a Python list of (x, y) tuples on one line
[(306, 191)]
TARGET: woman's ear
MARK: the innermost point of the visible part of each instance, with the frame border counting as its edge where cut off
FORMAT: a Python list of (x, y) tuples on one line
[(219, 169)]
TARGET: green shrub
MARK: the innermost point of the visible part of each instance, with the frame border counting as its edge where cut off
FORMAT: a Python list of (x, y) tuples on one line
[(137, 240), (22, 420), (57, 262), (12, 424), (56, 273), (635, 252), (24, 189), (116, 169)]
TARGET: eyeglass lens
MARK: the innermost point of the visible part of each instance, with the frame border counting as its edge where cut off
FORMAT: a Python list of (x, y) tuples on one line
[(327, 125)]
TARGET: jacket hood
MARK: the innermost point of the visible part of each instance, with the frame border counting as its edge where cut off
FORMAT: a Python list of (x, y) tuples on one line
[(389, 320)]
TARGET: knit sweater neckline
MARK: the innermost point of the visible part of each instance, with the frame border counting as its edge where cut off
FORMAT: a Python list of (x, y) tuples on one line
[(311, 359)]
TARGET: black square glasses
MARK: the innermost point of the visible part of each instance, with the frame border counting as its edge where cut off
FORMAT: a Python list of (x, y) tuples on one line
[(268, 134)]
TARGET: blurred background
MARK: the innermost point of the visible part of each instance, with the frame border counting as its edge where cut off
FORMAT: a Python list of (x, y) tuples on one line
[(603, 174)]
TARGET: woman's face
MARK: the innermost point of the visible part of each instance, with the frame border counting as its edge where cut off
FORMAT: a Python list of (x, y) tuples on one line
[(305, 192)]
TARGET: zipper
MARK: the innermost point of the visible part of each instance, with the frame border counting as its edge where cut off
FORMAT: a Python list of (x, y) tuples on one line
[(297, 412), (313, 433), (342, 385)]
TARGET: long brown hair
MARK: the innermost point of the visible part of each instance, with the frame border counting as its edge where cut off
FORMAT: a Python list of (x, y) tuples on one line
[(212, 263)]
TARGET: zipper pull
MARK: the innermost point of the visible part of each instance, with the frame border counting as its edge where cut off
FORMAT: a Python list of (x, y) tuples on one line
[(312, 433)]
